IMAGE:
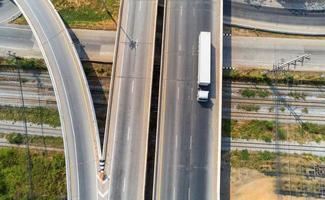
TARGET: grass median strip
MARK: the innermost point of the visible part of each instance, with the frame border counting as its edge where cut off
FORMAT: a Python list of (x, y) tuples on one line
[(36, 115), (41, 141)]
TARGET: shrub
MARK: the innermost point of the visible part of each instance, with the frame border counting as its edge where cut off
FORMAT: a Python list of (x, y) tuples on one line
[(248, 107), (244, 154), (15, 138), (248, 93), (266, 155), (263, 93), (305, 110), (313, 128), (297, 95), (282, 134), (266, 138)]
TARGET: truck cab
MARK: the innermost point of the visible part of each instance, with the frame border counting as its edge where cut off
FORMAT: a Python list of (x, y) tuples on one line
[(202, 95)]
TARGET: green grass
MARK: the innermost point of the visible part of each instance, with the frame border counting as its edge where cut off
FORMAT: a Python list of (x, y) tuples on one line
[(85, 14), (23, 63), (248, 107), (314, 128), (36, 115), (48, 141), (48, 175), (251, 93), (252, 129), (297, 95)]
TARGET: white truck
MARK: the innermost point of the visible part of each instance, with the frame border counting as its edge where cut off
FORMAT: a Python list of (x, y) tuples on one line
[(204, 66)]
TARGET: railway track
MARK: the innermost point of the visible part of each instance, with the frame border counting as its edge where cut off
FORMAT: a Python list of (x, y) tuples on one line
[(238, 115), (282, 147), (18, 127)]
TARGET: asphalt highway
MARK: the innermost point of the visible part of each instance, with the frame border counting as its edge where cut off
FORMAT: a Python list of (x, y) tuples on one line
[(264, 52), (8, 11), (129, 105), (274, 19), (189, 132), (78, 121)]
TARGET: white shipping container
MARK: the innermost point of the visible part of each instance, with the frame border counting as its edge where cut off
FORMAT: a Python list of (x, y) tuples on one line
[(204, 59)]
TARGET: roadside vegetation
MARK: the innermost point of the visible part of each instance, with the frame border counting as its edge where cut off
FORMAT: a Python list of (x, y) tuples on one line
[(297, 95), (48, 175), (23, 63), (252, 93), (36, 115), (258, 75), (265, 130), (45, 141), (86, 14), (248, 107), (264, 161)]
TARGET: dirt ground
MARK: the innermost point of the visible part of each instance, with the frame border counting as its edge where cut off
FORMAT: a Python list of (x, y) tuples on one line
[(249, 184)]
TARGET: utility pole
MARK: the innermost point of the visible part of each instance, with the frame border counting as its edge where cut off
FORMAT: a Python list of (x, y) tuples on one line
[(283, 67)]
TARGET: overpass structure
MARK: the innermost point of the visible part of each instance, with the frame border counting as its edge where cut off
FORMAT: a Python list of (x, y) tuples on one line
[(78, 120), (8, 11), (189, 133), (127, 126)]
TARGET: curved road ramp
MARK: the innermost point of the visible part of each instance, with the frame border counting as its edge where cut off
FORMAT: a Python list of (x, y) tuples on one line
[(8, 11), (78, 120)]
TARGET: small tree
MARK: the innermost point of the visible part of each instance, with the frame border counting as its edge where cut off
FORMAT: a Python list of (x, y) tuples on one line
[(15, 138)]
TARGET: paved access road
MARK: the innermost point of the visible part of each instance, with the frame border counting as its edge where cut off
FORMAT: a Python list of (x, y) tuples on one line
[(91, 45), (274, 19), (263, 52), (78, 121), (8, 11), (129, 105), (189, 132)]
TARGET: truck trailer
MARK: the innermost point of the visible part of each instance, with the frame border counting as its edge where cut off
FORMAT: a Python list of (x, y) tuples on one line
[(204, 66)]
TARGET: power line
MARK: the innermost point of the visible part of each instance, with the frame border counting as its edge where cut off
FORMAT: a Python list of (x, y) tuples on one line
[(28, 156)]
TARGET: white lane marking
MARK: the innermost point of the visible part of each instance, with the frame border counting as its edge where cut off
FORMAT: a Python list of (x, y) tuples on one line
[(174, 193), (124, 185), (129, 131), (102, 194), (132, 90), (180, 47), (176, 141), (181, 11), (189, 193), (178, 92), (140, 5), (190, 142)]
